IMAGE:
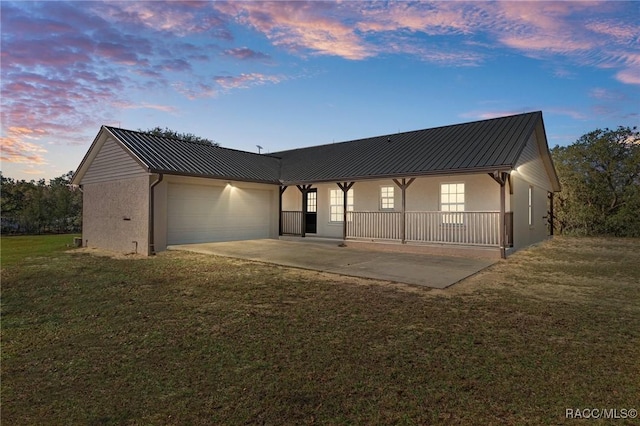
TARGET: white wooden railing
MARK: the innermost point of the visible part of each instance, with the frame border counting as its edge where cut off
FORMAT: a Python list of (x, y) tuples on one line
[(291, 222), (374, 225), (472, 228)]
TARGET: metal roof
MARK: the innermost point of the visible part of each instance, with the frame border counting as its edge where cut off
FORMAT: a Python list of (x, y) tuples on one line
[(479, 146), (174, 156)]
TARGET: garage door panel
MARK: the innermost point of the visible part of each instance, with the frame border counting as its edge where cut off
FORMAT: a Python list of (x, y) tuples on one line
[(200, 213)]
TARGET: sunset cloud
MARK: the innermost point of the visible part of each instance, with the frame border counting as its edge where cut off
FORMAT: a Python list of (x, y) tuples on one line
[(67, 67), (302, 26), (180, 18), (245, 53), (15, 149), (164, 108), (244, 81), (361, 30)]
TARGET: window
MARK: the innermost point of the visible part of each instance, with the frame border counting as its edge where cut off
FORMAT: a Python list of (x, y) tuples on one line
[(336, 201), (452, 200), (386, 198), (531, 206), (312, 201)]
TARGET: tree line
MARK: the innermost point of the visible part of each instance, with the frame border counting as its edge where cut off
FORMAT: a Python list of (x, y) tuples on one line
[(37, 207), (599, 174), (600, 178)]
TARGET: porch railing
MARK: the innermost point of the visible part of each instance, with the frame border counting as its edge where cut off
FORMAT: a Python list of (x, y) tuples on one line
[(374, 225), (292, 223), (472, 228)]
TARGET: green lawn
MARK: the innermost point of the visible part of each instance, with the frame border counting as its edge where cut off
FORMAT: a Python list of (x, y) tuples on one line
[(16, 248), (183, 338)]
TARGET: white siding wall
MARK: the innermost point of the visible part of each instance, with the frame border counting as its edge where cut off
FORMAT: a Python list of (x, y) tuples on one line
[(523, 233), (112, 163), (531, 167)]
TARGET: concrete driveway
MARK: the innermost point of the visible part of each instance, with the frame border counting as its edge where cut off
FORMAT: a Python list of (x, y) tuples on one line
[(410, 268)]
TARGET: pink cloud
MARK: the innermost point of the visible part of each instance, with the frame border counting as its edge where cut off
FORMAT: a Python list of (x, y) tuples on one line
[(144, 105), (245, 53), (604, 94), (65, 68), (300, 26), (177, 17), (621, 32), (15, 149), (428, 18), (629, 76)]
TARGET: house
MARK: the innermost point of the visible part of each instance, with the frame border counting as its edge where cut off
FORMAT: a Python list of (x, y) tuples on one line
[(486, 185)]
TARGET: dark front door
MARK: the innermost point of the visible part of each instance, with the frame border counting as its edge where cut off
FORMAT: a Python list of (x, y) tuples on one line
[(311, 219)]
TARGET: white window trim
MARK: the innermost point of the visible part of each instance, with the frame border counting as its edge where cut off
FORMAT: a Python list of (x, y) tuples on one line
[(350, 194), (383, 198), (454, 221)]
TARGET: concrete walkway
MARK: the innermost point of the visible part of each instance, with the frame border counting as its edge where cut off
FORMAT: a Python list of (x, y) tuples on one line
[(410, 268)]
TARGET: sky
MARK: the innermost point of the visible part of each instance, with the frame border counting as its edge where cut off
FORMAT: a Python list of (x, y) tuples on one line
[(285, 75)]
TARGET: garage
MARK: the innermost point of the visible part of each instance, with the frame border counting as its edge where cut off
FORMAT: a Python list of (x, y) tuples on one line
[(207, 213)]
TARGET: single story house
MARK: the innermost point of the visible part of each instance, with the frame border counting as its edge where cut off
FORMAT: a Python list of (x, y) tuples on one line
[(486, 184)]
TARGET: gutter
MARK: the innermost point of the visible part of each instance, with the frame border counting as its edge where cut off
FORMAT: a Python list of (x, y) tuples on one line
[(152, 250)]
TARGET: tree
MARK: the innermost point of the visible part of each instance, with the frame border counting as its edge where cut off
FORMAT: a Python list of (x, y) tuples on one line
[(189, 137), (600, 178), (37, 207)]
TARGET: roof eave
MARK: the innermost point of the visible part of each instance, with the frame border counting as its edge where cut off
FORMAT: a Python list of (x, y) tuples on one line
[(477, 170), (216, 177)]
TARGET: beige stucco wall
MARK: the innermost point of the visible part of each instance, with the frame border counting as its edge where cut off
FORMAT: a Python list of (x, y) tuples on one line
[(161, 199), (115, 215), (482, 193)]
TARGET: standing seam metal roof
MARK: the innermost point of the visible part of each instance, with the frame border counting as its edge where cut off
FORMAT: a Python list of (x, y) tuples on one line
[(479, 146), (174, 156)]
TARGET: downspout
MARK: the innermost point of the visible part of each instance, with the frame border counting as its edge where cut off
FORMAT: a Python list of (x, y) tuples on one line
[(151, 213)]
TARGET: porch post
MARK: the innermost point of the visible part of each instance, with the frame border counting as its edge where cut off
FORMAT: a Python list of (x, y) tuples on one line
[(282, 189), (503, 253), (403, 189), (345, 190), (501, 178), (304, 189), (550, 196)]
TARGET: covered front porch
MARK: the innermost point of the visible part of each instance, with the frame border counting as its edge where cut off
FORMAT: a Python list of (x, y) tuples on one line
[(490, 226), (468, 228)]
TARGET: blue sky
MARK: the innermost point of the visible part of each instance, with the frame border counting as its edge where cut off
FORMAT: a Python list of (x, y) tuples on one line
[(292, 74)]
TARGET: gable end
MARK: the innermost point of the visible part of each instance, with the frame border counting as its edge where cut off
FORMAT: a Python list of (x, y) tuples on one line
[(108, 160)]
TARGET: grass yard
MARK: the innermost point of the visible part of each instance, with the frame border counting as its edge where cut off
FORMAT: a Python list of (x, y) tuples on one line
[(182, 338), (20, 247)]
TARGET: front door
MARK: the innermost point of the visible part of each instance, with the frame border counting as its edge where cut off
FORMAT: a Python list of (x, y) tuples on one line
[(311, 219)]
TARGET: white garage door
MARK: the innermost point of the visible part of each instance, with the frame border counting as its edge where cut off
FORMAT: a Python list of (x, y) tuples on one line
[(200, 213)]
